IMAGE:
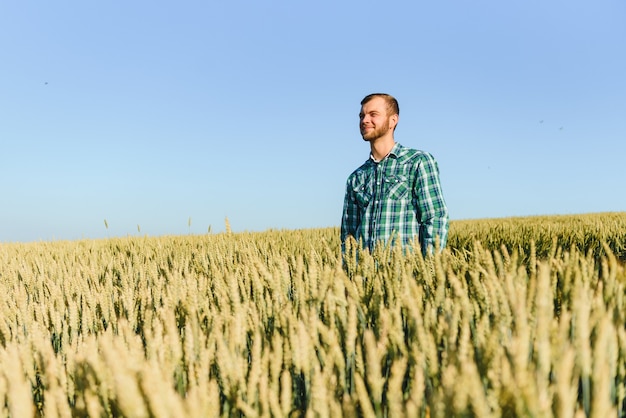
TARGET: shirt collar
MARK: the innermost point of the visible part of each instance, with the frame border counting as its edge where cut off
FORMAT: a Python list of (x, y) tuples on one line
[(394, 152)]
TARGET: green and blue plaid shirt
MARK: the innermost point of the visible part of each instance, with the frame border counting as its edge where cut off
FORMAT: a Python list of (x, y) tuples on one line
[(399, 196)]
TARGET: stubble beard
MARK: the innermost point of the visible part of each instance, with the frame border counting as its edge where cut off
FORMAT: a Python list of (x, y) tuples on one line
[(375, 133)]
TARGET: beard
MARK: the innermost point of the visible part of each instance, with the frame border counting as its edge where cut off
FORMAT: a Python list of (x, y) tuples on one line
[(375, 133)]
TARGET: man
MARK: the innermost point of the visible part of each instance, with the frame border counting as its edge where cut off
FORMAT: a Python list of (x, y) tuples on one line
[(396, 194)]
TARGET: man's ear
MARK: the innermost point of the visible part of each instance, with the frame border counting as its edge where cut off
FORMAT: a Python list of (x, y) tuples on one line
[(394, 121)]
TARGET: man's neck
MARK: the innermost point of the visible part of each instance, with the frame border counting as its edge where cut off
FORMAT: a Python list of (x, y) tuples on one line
[(381, 147)]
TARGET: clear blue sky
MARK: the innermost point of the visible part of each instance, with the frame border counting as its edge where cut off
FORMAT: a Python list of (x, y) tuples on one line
[(149, 113)]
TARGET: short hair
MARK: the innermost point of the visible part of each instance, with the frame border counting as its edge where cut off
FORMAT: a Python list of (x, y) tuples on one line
[(392, 104)]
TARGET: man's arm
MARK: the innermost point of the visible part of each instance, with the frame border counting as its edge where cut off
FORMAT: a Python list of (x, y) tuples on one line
[(432, 209), (350, 217)]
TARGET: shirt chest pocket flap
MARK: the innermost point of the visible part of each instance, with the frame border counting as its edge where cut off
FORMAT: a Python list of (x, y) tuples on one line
[(363, 193), (397, 187)]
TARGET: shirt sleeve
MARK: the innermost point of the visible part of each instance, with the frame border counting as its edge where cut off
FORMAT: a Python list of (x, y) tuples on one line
[(431, 206), (350, 218)]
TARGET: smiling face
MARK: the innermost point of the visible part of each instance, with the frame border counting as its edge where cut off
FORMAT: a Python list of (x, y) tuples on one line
[(375, 120)]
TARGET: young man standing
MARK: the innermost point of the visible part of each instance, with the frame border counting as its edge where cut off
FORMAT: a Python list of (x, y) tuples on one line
[(396, 194)]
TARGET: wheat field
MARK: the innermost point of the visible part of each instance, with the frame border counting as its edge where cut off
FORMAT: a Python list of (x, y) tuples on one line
[(517, 317)]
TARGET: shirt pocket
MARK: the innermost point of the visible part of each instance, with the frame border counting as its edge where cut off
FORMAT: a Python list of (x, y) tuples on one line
[(363, 194), (397, 187)]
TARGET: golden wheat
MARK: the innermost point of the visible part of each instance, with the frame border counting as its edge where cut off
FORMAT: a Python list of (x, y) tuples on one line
[(517, 317)]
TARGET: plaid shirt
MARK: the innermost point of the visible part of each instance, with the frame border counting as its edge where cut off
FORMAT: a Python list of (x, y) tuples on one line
[(400, 196)]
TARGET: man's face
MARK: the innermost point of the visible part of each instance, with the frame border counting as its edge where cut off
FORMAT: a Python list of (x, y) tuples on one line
[(374, 121)]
